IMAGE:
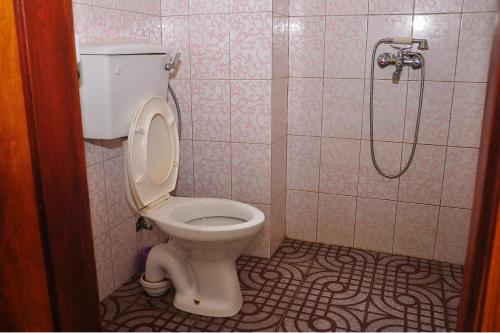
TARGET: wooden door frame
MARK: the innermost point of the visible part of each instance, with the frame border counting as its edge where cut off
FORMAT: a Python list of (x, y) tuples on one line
[(51, 93), (480, 299)]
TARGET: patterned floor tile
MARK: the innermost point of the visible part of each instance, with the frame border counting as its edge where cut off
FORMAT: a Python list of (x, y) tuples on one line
[(311, 287)]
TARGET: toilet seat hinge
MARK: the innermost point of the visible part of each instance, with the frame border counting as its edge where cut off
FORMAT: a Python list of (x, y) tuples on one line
[(160, 201)]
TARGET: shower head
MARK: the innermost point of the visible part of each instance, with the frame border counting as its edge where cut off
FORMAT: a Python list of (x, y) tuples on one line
[(422, 44)]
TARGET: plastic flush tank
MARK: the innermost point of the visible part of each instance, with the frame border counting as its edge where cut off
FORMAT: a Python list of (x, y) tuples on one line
[(114, 80)]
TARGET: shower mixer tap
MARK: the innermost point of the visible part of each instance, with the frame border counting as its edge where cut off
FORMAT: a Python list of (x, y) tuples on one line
[(404, 57)]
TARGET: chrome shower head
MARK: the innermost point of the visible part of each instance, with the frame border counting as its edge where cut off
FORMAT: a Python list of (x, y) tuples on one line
[(422, 44)]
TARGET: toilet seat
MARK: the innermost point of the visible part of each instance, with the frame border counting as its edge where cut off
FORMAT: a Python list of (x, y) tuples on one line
[(153, 153)]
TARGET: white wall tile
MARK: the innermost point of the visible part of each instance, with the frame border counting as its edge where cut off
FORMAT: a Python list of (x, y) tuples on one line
[(375, 221), (452, 235), (467, 114), (303, 157), (460, 177), (301, 215), (336, 219), (339, 166), (416, 227)]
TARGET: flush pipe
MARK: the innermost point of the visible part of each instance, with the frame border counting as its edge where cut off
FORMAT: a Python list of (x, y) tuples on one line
[(165, 260)]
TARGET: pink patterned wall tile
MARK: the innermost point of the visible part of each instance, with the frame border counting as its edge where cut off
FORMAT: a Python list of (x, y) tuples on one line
[(339, 166), (251, 111), (115, 4), (174, 7), (251, 172), (209, 38), (307, 7), (175, 35), (136, 27), (154, 25), (280, 46), (301, 215), (345, 45), (84, 23), (438, 6), (303, 157), (435, 118), (279, 108), (346, 7), (211, 110), (342, 108), (93, 151), (250, 6), (182, 89), (460, 177), (452, 235), (389, 103), (371, 184), (375, 221), (116, 200), (97, 196), (442, 33), (278, 167), (391, 7), (112, 148), (139, 6), (260, 246), (185, 180), (467, 114), (146, 238), (476, 38), (208, 6), (336, 219), (278, 222), (416, 227), (305, 106), (212, 169), (281, 7), (154, 7), (307, 36), (422, 183), (124, 251), (83, 2), (108, 25), (480, 5), (251, 45), (104, 264), (383, 26)]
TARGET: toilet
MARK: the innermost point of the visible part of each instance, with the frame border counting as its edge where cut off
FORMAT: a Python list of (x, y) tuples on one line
[(123, 88), (206, 236)]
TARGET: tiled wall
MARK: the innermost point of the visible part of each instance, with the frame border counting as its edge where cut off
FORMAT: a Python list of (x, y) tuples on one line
[(334, 194), (232, 87), (116, 242)]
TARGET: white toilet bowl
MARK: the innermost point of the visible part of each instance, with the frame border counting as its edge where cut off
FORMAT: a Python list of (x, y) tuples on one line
[(206, 235)]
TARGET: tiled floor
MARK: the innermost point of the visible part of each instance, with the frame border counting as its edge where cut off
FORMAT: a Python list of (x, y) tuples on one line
[(311, 287)]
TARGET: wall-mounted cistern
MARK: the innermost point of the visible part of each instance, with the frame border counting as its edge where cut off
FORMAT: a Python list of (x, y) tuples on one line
[(404, 57)]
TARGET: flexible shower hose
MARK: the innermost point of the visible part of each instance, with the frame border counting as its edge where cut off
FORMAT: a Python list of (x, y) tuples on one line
[(178, 108), (417, 124)]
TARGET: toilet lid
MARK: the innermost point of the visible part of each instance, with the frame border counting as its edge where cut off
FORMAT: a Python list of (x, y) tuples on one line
[(153, 152)]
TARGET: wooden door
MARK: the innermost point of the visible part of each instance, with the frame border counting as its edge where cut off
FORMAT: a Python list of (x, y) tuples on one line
[(480, 302), (48, 276)]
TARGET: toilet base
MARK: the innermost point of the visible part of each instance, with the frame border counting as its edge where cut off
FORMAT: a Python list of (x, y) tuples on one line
[(217, 291), (205, 279)]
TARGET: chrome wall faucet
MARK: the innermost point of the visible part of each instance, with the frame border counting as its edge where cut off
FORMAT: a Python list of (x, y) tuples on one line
[(403, 57)]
